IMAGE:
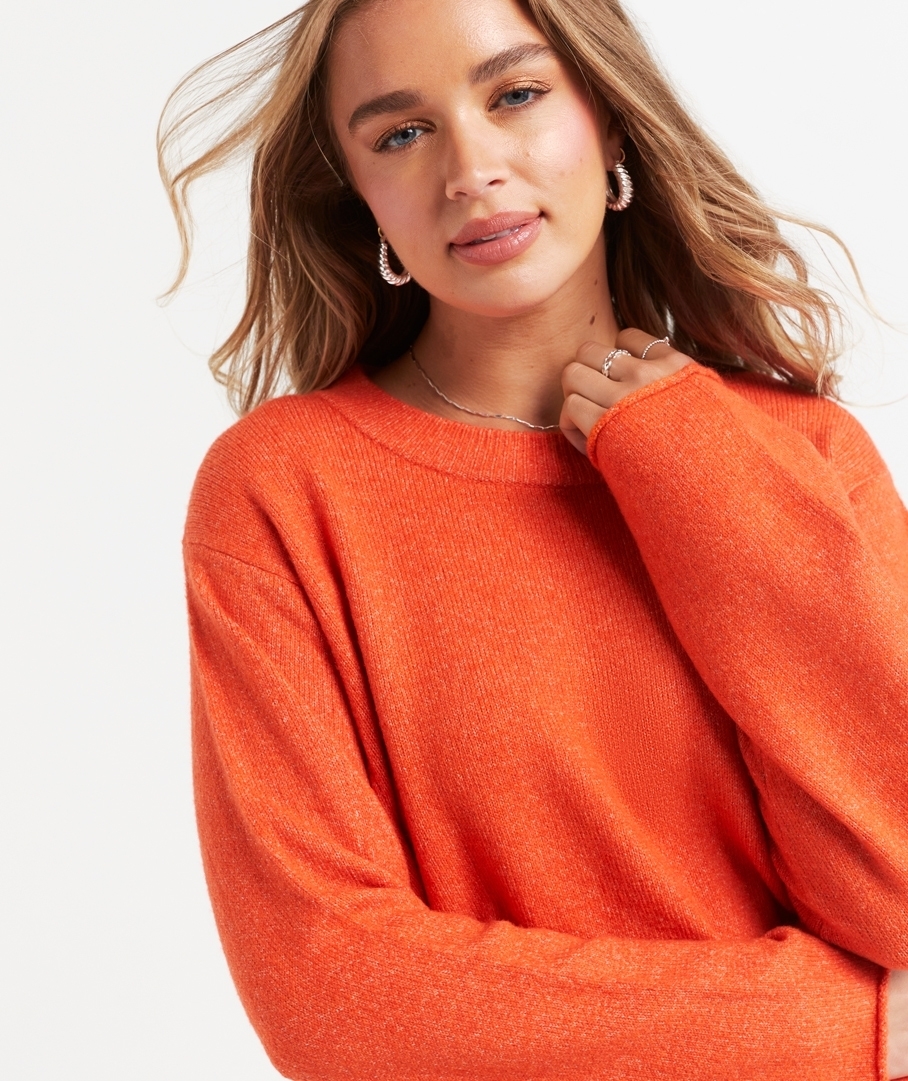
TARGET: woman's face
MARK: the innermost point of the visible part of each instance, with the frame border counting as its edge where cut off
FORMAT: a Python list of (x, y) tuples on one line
[(460, 123)]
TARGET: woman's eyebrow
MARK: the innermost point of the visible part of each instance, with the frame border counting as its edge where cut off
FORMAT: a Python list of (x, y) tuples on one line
[(482, 72), (384, 103), (508, 58)]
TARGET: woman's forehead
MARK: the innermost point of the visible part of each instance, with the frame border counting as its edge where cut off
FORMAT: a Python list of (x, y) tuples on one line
[(388, 44), (397, 37)]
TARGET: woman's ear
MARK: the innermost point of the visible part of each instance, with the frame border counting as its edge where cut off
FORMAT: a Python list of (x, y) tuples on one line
[(614, 144), (613, 134)]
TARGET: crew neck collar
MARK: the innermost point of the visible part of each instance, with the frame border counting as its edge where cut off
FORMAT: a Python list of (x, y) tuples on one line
[(452, 446)]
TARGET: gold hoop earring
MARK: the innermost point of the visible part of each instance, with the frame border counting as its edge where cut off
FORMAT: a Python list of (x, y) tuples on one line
[(384, 266), (625, 195)]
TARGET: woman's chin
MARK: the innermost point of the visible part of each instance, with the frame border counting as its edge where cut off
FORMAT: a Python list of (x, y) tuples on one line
[(500, 296)]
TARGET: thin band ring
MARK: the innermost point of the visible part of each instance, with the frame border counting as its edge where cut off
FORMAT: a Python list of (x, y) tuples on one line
[(655, 341), (607, 363)]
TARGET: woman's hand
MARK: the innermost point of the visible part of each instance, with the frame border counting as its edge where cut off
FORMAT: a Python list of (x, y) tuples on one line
[(897, 1024), (588, 393)]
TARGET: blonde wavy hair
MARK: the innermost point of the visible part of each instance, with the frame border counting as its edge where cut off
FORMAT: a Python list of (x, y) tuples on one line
[(698, 255)]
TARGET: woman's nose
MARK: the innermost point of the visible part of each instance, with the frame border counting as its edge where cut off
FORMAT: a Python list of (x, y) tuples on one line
[(476, 161)]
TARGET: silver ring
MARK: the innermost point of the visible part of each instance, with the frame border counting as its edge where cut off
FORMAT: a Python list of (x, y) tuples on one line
[(607, 363), (655, 341)]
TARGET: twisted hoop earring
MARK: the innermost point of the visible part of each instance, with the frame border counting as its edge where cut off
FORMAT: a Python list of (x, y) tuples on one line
[(625, 194), (384, 267)]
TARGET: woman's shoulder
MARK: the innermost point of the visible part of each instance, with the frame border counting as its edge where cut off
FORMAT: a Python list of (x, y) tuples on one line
[(273, 462), (304, 432), (292, 424), (836, 433), (782, 400)]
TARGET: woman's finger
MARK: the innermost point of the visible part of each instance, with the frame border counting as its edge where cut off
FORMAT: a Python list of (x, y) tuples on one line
[(639, 341), (579, 378), (578, 412), (593, 355), (589, 391), (572, 433)]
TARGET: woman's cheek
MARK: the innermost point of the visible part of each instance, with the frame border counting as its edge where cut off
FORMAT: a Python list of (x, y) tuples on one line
[(569, 163), (400, 205)]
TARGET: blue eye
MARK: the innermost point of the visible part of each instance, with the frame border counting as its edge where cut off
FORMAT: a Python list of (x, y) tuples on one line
[(410, 133), (403, 137), (517, 97)]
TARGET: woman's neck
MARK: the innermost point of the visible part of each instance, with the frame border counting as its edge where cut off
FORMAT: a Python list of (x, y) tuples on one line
[(509, 364)]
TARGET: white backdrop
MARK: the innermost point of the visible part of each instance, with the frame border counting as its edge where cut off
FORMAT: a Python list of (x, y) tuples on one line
[(110, 967)]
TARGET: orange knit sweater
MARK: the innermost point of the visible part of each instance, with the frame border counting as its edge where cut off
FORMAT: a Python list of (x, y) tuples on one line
[(512, 764)]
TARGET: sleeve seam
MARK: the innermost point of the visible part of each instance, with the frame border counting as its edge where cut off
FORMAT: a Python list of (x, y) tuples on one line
[(867, 480), (236, 559), (550, 970)]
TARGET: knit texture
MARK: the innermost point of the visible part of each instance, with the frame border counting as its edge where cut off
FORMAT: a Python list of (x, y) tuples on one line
[(513, 764)]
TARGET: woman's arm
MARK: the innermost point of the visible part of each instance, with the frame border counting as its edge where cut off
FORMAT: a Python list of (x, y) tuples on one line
[(782, 563), (344, 970)]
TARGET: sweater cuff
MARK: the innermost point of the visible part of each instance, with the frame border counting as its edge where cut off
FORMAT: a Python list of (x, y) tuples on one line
[(693, 370), (882, 1026)]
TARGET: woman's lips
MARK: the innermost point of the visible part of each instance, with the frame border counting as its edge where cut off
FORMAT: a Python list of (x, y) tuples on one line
[(495, 240)]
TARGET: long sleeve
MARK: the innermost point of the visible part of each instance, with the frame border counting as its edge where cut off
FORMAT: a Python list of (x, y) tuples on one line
[(782, 564), (347, 973)]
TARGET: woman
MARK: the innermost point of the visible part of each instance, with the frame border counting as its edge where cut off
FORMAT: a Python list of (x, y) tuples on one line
[(550, 697)]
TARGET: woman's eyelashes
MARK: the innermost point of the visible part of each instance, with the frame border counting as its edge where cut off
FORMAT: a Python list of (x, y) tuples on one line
[(399, 138), (523, 93), (511, 100)]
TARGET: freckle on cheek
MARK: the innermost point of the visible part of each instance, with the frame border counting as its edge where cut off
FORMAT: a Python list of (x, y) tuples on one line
[(592, 319)]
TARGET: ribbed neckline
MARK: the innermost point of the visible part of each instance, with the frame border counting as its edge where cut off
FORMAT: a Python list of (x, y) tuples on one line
[(451, 446)]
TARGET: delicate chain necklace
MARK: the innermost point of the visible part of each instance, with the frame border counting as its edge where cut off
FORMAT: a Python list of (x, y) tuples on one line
[(476, 412)]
